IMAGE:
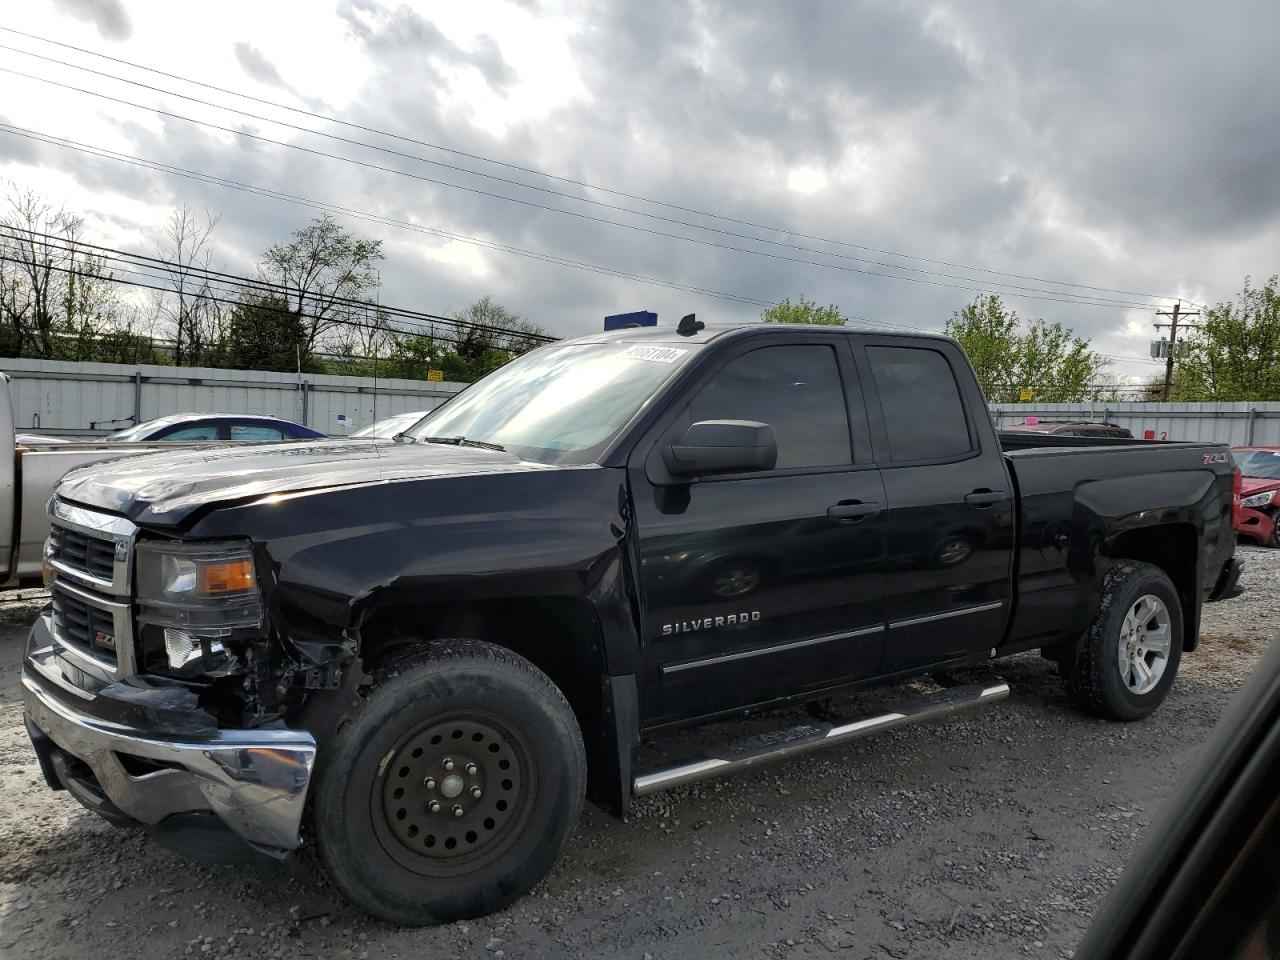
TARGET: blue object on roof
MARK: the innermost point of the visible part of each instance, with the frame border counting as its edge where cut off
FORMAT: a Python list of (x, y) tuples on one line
[(621, 321)]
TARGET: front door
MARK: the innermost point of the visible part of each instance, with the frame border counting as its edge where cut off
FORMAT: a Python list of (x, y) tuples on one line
[(763, 585), (950, 510)]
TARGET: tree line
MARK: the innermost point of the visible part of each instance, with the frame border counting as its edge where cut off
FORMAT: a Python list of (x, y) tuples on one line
[(311, 304), (1233, 354)]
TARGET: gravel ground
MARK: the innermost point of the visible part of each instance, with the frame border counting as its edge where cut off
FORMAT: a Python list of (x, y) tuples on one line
[(995, 834)]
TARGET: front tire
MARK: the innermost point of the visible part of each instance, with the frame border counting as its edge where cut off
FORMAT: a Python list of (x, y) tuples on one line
[(451, 790), (1124, 665)]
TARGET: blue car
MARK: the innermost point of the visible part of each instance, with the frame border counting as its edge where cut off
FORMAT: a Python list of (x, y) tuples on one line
[(215, 426)]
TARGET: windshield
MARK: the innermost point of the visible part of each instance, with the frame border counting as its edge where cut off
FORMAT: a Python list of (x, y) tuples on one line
[(137, 432), (391, 425), (1263, 464), (560, 403)]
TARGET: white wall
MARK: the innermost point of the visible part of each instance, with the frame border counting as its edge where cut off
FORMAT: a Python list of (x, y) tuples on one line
[(58, 396), (1234, 423)]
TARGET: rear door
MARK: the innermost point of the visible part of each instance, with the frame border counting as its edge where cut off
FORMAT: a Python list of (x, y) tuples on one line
[(762, 585), (950, 510)]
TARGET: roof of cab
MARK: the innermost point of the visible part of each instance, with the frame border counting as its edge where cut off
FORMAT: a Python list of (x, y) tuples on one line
[(713, 331)]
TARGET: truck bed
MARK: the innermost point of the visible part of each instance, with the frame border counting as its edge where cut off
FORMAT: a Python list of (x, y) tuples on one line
[(1073, 491)]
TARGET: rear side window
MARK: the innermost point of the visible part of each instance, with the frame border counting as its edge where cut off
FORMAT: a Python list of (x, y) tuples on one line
[(207, 431), (796, 390), (923, 411), (255, 431)]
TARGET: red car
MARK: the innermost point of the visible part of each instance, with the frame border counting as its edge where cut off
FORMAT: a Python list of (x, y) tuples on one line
[(1259, 494)]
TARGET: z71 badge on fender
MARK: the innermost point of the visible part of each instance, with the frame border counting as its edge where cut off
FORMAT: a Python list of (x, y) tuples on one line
[(711, 623), (1217, 458)]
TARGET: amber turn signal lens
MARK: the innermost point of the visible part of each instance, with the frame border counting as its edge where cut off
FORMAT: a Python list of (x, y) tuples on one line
[(231, 576)]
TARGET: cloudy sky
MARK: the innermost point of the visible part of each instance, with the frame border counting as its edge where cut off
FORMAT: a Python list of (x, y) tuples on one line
[(794, 148)]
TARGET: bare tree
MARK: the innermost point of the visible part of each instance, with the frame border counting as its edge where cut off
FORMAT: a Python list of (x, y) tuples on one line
[(195, 317), (37, 244), (319, 272)]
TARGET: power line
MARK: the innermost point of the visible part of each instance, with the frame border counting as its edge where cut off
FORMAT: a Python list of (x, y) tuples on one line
[(159, 269), (169, 169), (1013, 291), (254, 284), (212, 298), (231, 285), (472, 172), (538, 173)]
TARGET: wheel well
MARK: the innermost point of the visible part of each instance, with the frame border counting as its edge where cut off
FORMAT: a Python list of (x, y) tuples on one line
[(558, 635), (1172, 548)]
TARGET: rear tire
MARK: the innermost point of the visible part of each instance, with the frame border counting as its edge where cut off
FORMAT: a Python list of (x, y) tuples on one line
[(451, 790), (1124, 665)]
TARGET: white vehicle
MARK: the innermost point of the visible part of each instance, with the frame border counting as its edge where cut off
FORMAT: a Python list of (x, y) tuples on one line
[(27, 480), (389, 427)]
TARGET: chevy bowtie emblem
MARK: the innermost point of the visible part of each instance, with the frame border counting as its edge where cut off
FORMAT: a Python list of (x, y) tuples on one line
[(104, 639)]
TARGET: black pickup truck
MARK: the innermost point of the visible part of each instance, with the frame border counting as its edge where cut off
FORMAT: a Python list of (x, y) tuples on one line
[(421, 652)]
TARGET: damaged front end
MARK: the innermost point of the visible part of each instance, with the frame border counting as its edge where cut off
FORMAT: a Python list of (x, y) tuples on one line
[(155, 695)]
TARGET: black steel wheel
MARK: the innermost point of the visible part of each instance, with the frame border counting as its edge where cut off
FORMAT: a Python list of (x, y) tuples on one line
[(451, 788), (453, 795)]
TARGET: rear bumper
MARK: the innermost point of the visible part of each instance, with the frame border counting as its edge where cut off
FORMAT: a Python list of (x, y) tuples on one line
[(253, 781), (1228, 584)]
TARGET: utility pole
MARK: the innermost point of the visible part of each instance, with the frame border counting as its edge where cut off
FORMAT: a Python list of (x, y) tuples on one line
[(1174, 315)]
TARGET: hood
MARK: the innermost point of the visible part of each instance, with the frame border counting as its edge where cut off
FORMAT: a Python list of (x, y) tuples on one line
[(1252, 485), (165, 488)]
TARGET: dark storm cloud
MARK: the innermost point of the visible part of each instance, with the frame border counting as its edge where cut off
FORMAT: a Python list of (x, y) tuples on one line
[(108, 16), (1127, 146), (257, 65), (419, 43), (1168, 114)]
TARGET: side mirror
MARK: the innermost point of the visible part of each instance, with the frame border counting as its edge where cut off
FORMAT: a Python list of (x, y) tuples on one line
[(722, 446)]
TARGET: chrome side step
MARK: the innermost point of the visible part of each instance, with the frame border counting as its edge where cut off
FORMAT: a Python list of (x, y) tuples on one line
[(778, 744)]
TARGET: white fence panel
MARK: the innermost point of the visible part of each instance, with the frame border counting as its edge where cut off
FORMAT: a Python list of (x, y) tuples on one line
[(1238, 424), (89, 399)]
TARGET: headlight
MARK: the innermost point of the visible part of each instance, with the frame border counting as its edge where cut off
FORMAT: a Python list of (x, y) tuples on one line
[(1258, 499), (197, 594)]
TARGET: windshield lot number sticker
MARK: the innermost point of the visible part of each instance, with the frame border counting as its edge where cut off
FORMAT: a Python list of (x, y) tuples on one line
[(655, 354)]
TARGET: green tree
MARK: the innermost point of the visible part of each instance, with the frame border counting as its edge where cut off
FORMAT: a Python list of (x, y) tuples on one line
[(490, 335), (264, 334), (319, 272), (1008, 355), (805, 311), (1235, 353)]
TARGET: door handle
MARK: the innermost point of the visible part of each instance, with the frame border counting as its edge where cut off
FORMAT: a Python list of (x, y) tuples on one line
[(851, 511), (985, 498)]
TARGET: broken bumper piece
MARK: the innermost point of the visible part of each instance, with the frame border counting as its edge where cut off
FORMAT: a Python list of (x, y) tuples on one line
[(253, 781)]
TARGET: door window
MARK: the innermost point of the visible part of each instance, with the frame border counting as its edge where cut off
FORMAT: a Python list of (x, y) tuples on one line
[(255, 431), (923, 411), (796, 390)]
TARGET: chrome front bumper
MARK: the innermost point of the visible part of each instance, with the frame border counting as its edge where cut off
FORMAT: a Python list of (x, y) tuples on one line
[(255, 781)]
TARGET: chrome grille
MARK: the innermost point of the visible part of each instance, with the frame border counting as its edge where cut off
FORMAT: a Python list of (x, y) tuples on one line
[(84, 626), (90, 556), (81, 552)]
